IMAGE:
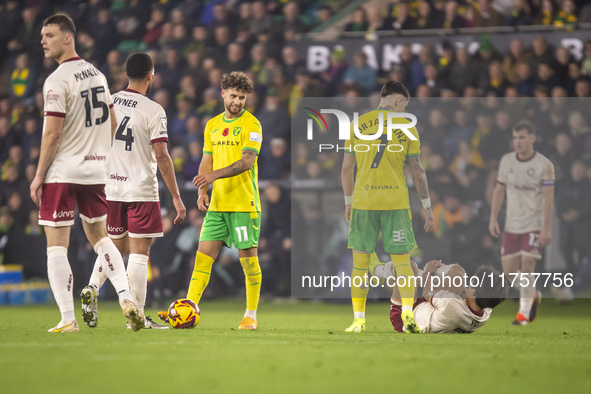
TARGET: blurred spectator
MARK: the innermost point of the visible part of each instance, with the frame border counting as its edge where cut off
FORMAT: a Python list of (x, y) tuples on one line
[(291, 62), (212, 104), (276, 164), (154, 26), (521, 14), (274, 118), (291, 19), (177, 126), (516, 55), (466, 237), (26, 38), (525, 83), (496, 80), (359, 20), (191, 166), (104, 33), (566, 16), (427, 17), (260, 21), (541, 53), (376, 21), (171, 71), (403, 20), (31, 136), (7, 138), (451, 19), (132, 20), (562, 156), (546, 76), (361, 74), (485, 15), (275, 243), (323, 14), (333, 77), (235, 60), (546, 17), (575, 214), (22, 78), (461, 72)]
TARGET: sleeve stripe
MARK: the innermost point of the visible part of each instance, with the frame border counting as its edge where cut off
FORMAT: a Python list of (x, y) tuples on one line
[(206, 151), (413, 154), (500, 183), (249, 148), (56, 114), (160, 139), (111, 105)]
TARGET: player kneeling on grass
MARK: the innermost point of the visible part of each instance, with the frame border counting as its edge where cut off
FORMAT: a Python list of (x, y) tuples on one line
[(444, 306)]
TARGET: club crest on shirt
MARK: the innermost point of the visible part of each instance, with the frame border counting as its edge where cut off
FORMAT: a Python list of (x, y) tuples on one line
[(531, 171), (225, 132), (52, 97)]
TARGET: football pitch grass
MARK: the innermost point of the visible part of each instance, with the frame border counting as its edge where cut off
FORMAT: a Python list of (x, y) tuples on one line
[(299, 348)]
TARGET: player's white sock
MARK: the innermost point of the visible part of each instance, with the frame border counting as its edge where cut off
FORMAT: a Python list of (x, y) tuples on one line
[(61, 281), (526, 295), (137, 274), (251, 314), (98, 277), (359, 315), (113, 267)]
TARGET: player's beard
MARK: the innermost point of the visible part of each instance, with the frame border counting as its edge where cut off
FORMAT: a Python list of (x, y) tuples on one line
[(229, 108), (149, 89)]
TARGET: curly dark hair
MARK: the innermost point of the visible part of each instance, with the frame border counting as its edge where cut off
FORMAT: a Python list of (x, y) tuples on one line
[(237, 80)]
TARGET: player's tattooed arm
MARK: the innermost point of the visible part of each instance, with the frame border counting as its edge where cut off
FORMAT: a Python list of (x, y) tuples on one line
[(236, 168), (419, 177)]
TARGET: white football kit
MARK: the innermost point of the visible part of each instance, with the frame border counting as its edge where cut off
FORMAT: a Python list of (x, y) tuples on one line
[(141, 122), (448, 313), (79, 93), (524, 181)]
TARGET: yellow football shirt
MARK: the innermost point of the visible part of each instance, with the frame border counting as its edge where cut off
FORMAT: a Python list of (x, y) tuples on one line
[(225, 139), (380, 183)]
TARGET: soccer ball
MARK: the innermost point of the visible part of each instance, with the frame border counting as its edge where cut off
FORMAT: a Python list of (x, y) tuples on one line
[(183, 313)]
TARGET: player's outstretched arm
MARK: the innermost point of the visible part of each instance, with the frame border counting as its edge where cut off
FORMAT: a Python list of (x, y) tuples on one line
[(497, 202), (167, 170), (236, 168), (348, 182), (49, 143), (420, 180)]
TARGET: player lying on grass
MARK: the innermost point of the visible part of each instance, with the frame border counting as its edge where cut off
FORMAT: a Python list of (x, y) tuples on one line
[(445, 308)]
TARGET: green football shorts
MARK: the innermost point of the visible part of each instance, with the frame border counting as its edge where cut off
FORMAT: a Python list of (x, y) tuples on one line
[(241, 229), (395, 226)]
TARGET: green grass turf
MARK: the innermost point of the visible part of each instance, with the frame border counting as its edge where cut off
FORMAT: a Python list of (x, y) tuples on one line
[(298, 348)]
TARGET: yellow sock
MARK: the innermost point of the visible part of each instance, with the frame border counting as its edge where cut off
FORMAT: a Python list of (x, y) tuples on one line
[(200, 278), (403, 268), (359, 293), (252, 278)]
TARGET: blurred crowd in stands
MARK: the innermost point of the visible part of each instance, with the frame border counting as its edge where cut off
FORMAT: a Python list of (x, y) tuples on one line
[(193, 43), (452, 14)]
